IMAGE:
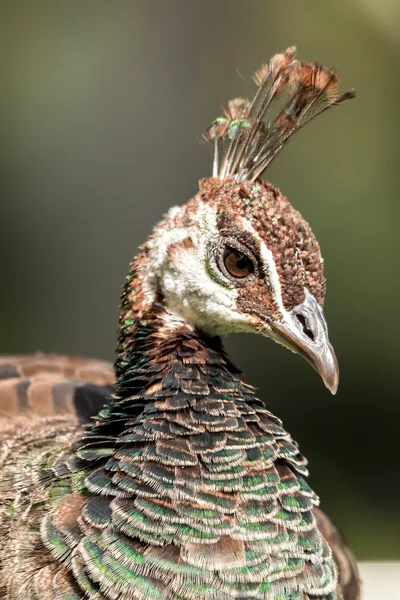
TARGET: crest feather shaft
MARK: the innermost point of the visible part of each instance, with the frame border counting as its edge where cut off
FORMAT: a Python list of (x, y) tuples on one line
[(290, 93)]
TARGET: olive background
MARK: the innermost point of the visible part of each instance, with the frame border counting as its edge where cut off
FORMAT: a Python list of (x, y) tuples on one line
[(103, 104)]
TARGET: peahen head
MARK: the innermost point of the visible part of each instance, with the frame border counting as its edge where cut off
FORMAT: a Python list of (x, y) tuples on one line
[(237, 256)]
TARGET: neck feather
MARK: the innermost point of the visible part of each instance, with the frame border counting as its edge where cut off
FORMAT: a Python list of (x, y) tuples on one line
[(149, 335)]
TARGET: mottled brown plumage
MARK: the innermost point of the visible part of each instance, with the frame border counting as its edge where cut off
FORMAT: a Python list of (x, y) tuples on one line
[(44, 385), (349, 579), (176, 482)]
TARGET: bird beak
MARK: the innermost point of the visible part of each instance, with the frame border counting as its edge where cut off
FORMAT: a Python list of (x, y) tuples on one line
[(304, 331)]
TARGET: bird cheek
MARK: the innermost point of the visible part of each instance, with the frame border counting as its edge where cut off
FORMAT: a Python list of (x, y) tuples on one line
[(256, 299)]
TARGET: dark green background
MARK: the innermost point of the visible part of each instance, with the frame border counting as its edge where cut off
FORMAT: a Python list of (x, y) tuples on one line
[(103, 104)]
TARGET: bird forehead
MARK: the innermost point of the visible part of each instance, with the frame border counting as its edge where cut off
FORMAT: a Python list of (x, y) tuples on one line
[(262, 207)]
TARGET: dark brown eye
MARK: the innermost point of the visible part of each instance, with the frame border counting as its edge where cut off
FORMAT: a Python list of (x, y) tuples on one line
[(237, 264)]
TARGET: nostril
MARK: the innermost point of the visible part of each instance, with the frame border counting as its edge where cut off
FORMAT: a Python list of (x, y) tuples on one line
[(305, 326)]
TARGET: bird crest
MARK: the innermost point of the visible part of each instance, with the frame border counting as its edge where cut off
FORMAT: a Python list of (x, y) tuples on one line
[(290, 93)]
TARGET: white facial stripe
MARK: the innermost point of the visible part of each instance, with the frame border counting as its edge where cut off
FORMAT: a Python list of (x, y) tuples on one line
[(270, 267)]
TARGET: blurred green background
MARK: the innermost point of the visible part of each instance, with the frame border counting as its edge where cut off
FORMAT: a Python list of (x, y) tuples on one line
[(103, 104)]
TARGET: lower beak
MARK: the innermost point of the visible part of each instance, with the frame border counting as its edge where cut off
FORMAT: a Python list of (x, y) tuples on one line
[(304, 331)]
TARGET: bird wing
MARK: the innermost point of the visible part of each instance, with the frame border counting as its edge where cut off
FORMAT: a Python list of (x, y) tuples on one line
[(345, 560), (51, 385), (43, 400)]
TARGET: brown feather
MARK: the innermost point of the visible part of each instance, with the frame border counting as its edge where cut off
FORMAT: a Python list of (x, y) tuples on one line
[(44, 385), (349, 578)]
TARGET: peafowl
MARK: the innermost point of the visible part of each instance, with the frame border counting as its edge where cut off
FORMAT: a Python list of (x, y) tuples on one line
[(165, 477)]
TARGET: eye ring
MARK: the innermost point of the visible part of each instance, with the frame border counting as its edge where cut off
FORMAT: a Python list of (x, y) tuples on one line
[(237, 263), (217, 268)]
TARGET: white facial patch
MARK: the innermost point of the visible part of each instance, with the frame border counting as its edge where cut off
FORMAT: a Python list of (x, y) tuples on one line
[(158, 246), (181, 271)]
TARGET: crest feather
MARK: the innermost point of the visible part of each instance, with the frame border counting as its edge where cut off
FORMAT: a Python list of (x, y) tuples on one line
[(290, 93)]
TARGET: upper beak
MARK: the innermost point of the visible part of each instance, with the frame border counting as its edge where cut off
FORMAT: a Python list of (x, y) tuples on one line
[(304, 331)]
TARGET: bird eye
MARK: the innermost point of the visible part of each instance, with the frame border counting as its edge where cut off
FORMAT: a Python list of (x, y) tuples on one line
[(237, 264)]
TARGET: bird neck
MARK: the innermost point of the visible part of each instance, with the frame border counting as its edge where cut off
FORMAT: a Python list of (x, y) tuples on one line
[(151, 339), (166, 371), (161, 345)]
